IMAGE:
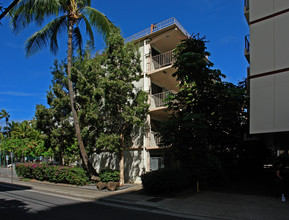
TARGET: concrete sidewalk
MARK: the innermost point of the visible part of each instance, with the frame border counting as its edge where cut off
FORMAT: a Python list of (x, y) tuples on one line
[(203, 205)]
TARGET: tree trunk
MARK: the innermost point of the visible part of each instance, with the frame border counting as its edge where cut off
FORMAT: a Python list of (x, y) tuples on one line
[(10, 7), (84, 157), (121, 163)]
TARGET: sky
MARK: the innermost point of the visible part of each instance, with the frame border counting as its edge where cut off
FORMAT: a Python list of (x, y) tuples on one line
[(24, 81)]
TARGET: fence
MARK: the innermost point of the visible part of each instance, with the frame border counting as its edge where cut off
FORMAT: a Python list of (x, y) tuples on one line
[(8, 172), (156, 27), (161, 60), (160, 98), (247, 43)]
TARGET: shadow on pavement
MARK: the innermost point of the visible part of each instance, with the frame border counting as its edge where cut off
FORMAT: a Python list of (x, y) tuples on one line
[(12, 187), (15, 210)]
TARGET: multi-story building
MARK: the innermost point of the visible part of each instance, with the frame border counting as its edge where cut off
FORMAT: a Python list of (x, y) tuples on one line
[(155, 45), (268, 75)]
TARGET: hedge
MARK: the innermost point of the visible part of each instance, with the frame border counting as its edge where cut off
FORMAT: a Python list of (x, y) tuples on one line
[(109, 175), (52, 173)]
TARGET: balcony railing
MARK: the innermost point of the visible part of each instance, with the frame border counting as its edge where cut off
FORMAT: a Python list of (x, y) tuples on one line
[(161, 60), (156, 27), (247, 43), (160, 99), (155, 140), (246, 4)]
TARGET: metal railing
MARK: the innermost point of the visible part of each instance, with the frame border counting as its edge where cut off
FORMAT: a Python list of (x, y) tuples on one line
[(161, 60), (246, 4), (160, 99), (247, 43), (155, 140), (156, 27)]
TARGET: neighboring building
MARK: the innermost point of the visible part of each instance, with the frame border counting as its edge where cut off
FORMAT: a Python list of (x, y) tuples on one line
[(268, 75), (155, 45)]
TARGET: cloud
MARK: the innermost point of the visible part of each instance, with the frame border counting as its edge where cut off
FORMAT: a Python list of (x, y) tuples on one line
[(229, 40), (11, 45), (10, 93)]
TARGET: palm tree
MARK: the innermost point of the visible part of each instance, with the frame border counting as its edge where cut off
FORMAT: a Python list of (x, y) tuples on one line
[(74, 12), (8, 9), (1, 135), (4, 114)]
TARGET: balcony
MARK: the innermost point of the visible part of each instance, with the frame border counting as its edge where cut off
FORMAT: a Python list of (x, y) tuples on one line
[(247, 48), (161, 60), (155, 140), (157, 27), (160, 99), (246, 10)]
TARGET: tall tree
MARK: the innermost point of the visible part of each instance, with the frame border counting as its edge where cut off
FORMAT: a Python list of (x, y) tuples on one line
[(125, 106), (55, 122), (5, 114), (74, 12), (206, 112)]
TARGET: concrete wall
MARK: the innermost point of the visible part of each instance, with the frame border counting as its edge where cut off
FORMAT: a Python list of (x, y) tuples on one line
[(133, 163), (269, 40)]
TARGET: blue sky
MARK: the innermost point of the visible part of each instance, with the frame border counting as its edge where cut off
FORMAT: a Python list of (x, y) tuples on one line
[(25, 81)]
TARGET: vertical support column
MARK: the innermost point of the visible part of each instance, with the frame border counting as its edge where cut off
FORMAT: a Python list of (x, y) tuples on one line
[(146, 86)]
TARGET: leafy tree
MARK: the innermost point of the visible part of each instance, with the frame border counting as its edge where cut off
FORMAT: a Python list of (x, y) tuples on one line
[(25, 140), (124, 107), (55, 122), (206, 112), (74, 12)]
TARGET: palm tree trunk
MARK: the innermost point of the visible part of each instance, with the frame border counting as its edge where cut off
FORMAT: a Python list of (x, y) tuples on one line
[(83, 153)]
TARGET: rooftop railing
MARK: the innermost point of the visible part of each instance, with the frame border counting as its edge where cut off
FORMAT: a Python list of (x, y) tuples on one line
[(247, 43), (161, 60), (156, 27)]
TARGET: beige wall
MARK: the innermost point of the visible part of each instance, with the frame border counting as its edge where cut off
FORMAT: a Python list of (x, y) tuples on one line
[(269, 50)]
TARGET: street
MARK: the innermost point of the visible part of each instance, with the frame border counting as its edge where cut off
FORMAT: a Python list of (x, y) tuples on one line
[(21, 202)]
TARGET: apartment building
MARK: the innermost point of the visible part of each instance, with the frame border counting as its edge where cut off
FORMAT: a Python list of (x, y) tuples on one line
[(267, 49), (155, 44)]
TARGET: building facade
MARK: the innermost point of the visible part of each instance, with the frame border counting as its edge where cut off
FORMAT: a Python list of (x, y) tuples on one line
[(155, 45), (267, 49)]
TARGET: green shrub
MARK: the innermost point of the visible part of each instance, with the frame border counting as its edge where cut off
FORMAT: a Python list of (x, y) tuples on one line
[(109, 175), (56, 174), (165, 181)]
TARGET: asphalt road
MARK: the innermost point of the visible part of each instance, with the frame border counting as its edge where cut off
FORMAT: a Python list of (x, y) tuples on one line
[(18, 202)]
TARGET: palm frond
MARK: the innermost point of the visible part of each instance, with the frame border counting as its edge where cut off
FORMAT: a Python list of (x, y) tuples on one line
[(77, 38), (98, 20), (89, 30), (41, 38), (59, 26), (28, 11), (83, 3)]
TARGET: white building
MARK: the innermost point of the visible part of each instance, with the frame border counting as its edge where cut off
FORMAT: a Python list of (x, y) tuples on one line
[(155, 44), (267, 53)]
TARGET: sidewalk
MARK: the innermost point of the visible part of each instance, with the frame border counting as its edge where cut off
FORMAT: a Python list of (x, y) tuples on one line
[(203, 205)]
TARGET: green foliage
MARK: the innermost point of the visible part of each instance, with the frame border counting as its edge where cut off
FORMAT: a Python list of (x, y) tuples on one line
[(109, 175), (168, 180), (206, 112), (56, 174), (24, 140), (30, 11)]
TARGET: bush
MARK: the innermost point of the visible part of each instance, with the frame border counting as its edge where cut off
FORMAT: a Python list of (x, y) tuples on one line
[(56, 174), (165, 181), (109, 176)]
